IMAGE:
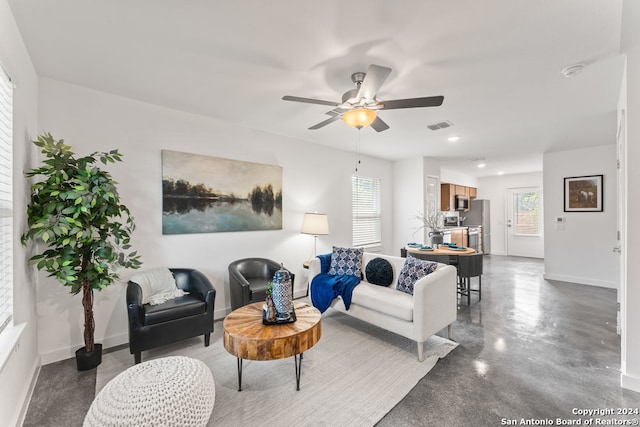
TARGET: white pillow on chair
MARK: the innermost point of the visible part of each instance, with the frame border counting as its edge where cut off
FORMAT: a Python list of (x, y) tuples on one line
[(158, 285)]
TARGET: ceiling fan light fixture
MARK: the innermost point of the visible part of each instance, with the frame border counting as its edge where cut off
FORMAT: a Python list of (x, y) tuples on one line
[(359, 117)]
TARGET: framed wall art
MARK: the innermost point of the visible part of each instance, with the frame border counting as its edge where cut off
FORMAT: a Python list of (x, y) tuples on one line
[(202, 194), (583, 193)]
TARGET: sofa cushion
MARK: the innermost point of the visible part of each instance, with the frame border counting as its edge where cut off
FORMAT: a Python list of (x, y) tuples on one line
[(384, 300), (258, 288), (173, 309), (413, 270), (379, 272), (346, 261)]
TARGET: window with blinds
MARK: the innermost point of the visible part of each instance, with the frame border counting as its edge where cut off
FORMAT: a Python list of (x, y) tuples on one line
[(6, 200), (365, 206)]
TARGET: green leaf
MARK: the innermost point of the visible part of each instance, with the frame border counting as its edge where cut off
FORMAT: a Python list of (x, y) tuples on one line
[(45, 236)]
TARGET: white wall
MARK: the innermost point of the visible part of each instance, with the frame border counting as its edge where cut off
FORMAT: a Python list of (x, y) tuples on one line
[(448, 176), (630, 44), (583, 252), (19, 360), (315, 178), (494, 189), (408, 189)]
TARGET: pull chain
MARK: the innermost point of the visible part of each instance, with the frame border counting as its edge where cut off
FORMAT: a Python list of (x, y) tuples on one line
[(358, 150)]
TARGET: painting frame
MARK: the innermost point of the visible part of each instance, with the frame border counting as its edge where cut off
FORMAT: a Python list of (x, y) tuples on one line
[(206, 194), (584, 193)]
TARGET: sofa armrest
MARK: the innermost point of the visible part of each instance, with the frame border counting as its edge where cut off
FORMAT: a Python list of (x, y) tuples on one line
[(134, 305), (435, 302), (314, 268), (201, 286)]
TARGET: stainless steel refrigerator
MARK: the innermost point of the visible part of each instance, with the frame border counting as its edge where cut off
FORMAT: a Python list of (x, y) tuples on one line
[(479, 215)]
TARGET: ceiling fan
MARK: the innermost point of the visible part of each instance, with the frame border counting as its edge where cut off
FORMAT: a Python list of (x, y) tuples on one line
[(358, 107)]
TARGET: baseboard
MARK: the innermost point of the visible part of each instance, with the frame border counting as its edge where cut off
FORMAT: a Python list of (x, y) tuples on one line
[(300, 294), (107, 342), (69, 352), (35, 373), (581, 280), (221, 314), (631, 383)]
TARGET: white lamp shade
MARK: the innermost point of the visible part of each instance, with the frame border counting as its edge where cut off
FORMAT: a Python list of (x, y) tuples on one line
[(315, 223)]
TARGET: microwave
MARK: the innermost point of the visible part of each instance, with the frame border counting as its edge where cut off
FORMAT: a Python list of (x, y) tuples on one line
[(462, 203), (451, 221)]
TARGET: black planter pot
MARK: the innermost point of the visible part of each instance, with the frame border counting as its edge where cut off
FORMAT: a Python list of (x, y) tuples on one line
[(86, 360)]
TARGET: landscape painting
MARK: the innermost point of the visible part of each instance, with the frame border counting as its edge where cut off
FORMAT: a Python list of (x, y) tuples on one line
[(583, 194), (202, 194)]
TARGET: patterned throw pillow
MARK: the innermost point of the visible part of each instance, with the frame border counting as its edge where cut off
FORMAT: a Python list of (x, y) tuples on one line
[(413, 270), (379, 271), (346, 261)]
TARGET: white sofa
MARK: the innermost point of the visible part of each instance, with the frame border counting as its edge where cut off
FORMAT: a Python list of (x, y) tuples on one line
[(431, 308)]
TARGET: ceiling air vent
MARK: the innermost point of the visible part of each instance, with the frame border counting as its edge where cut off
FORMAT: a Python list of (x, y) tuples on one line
[(441, 125)]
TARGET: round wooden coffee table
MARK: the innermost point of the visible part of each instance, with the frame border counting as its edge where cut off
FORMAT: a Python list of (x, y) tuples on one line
[(247, 338)]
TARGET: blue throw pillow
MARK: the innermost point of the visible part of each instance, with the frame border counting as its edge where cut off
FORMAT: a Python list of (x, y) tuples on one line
[(346, 261), (325, 262), (413, 270), (379, 271)]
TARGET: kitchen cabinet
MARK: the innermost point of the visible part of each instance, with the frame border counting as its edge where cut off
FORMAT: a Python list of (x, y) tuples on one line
[(460, 237), (462, 191), (448, 193)]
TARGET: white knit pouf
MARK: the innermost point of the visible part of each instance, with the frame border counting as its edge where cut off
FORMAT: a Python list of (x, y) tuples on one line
[(172, 391)]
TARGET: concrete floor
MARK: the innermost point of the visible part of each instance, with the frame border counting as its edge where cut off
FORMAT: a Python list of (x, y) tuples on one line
[(529, 350)]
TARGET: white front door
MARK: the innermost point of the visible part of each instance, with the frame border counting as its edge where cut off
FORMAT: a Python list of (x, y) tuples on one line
[(524, 222), (431, 199), (622, 208)]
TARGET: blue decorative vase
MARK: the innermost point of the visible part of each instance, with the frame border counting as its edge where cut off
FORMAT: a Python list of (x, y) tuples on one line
[(282, 294)]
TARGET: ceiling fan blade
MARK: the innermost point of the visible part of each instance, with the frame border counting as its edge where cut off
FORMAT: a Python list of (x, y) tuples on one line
[(326, 122), (376, 75), (309, 100), (429, 101), (379, 125)]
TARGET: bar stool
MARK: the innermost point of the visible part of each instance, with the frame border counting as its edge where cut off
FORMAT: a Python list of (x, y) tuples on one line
[(469, 266)]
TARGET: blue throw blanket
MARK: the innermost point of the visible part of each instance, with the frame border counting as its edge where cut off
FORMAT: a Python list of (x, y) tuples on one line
[(325, 287)]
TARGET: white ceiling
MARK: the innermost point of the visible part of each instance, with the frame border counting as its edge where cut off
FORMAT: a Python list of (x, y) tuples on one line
[(497, 63)]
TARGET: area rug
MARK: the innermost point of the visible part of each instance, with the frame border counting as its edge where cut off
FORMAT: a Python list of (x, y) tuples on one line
[(353, 376)]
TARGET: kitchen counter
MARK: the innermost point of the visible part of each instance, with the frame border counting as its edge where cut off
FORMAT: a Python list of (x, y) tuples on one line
[(457, 235)]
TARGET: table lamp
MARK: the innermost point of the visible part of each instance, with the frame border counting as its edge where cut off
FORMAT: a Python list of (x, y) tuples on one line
[(316, 224)]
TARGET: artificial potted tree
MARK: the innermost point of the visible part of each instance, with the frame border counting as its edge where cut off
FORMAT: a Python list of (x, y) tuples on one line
[(75, 211)]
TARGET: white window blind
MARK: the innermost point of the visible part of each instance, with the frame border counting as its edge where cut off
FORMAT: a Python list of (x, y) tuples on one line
[(365, 206), (6, 200)]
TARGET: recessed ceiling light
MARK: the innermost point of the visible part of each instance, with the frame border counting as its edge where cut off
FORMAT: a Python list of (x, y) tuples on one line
[(573, 70), (479, 161), (453, 139), (501, 173)]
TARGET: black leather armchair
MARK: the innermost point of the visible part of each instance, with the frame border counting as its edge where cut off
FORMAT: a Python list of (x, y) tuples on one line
[(183, 317), (248, 279)]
